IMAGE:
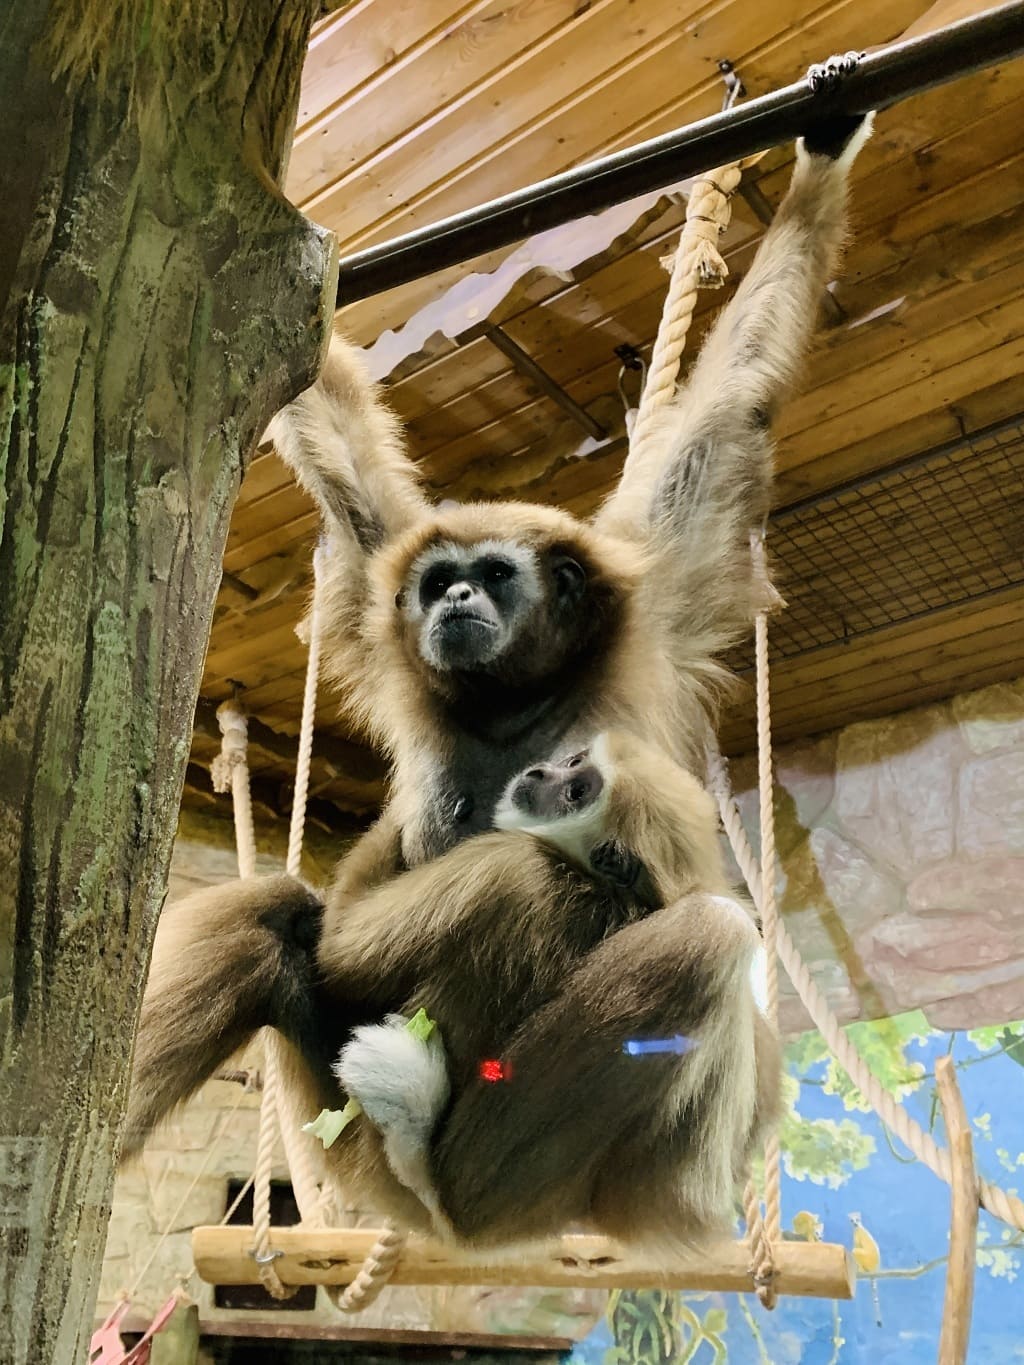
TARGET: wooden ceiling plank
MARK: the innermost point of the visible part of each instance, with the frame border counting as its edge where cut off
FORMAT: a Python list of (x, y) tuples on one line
[(845, 352), (738, 736), (820, 411), (288, 537), (474, 50), (931, 640), (597, 110), (562, 69), (535, 274), (568, 333), (939, 388), (896, 688), (978, 402), (364, 42), (266, 475)]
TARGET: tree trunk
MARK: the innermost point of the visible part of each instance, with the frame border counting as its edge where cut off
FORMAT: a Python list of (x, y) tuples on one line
[(158, 301)]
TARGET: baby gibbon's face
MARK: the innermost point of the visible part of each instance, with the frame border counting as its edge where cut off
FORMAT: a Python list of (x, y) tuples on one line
[(551, 791)]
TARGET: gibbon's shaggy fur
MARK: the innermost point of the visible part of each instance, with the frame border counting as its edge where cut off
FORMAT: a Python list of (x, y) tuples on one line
[(475, 641), (536, 920), (616, 622)]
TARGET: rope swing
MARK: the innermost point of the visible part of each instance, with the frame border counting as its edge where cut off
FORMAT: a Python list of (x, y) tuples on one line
[(764, 1262)]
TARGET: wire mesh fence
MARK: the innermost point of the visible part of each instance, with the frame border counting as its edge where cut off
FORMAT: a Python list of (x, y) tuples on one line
[(940, 530)]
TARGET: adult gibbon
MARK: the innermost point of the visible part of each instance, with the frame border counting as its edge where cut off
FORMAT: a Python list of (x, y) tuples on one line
[(498, 1133), (476, 641)]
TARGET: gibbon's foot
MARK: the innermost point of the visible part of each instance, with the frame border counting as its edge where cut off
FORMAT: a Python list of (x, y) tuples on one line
[(402, 1083)]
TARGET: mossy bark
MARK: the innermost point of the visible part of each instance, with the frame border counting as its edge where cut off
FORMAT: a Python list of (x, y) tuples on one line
[(159, 299)]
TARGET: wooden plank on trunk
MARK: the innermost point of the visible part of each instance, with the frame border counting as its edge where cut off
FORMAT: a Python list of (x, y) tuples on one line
[(963, 1227)]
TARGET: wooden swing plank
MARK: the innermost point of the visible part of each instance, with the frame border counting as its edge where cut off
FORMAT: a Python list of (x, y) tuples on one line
[(334, 1256)]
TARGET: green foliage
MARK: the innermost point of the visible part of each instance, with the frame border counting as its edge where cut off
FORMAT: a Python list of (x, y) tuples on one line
[(883, 1044), (1002, 1258), (657, 1327), (1008, 1038), (822, 1150)]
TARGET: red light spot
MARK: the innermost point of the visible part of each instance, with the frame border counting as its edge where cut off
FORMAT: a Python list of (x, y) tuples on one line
[(493, 1070)]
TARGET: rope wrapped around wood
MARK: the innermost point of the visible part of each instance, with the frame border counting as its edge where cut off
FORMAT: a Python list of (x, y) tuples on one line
[(230, 771)]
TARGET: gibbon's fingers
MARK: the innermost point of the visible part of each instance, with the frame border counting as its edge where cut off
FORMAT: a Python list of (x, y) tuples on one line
[(227, 961), (517, 1155), (346, 447)]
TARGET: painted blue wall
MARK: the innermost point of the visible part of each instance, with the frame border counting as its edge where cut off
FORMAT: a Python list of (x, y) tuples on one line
[(841, 1163)]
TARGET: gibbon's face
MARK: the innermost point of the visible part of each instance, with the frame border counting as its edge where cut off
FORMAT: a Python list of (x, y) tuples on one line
[(476, 607), (550, 792)]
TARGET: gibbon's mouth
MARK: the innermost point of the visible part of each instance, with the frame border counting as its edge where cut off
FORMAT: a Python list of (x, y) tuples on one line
[(462, 618)]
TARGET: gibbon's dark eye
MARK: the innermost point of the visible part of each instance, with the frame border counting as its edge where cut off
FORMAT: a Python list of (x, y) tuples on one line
[(574, 760), (575, 792), (436, 582), (496, 570)]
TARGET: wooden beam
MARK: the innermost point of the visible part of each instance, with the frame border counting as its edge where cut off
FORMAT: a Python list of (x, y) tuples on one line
[(334, 1256), (279, 1328), (963, 1227)]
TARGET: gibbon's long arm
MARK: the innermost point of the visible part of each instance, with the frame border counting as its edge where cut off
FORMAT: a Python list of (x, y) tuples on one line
[(573, 1093), (696, 493), (346, 448)]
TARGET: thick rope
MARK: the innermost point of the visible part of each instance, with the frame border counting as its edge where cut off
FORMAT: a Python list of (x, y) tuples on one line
[(999, 1202), (231, 770), (697, 265), (318, 1205), (769, 927), (297, 828)]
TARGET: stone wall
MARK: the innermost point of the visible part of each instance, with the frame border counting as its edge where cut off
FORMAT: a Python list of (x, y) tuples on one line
[(902, 850)]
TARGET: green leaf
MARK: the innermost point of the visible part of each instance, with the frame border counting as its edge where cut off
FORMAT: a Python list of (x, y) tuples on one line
[(329, 1124), (421, 1026), (996, 1035)]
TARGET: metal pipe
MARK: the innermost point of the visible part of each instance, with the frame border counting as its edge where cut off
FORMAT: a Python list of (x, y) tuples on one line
[(881, 78), (525, 364)]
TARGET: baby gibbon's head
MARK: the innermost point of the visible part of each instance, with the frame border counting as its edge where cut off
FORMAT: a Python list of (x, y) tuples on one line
[(622, 810)]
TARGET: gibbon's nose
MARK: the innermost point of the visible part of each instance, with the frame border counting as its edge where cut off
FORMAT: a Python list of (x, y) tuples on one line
[(460, 592)]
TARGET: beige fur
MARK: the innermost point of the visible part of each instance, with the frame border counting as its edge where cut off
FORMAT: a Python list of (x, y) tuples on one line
[(487, 940), (668, 588)]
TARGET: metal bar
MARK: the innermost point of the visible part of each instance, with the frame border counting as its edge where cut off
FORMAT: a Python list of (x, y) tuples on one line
[(525, 364), (882, 78)]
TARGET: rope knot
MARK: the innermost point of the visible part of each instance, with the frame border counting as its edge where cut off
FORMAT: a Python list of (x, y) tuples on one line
[(234, 729)]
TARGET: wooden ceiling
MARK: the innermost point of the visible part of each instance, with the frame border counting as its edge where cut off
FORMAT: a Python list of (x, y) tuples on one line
[(413, 109)]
